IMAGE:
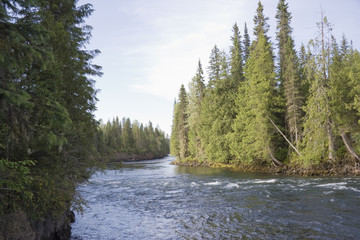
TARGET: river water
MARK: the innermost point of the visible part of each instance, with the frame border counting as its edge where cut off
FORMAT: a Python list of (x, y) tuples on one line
[(155, 200)]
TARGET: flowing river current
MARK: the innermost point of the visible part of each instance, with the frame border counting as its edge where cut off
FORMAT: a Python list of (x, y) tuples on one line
[(155, 200)]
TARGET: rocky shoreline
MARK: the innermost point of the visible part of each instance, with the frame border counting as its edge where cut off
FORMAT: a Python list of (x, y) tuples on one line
[(19, 226)]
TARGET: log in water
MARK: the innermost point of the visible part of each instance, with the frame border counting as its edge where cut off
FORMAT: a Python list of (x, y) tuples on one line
[(155, 200)]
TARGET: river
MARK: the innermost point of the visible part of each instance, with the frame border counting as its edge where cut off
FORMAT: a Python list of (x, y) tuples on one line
[(155, 200)]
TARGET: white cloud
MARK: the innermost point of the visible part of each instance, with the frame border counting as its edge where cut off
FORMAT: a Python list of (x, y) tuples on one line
[(183, 40)]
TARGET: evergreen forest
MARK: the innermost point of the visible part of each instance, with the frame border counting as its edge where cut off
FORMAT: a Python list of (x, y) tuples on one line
[(116, 138), (49, 138), (268, 104)]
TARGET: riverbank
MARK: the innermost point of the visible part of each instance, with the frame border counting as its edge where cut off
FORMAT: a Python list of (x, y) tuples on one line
[(19, 226), (343, 168), (129, 157)]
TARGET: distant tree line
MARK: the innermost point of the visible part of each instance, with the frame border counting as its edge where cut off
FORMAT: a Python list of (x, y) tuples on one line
[(131, 138), (300, 108)]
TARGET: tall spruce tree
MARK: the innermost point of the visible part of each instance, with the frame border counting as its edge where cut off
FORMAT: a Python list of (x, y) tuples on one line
[(174, 138), (217, 112), (319, 144), (183, 129), (236, 63), (289, 79), (48, 99), (345, 118), (260, 21), (302, 61), (354, 75), (195, 97), (253, 138), (214, 67), (127, 137), (246, 44)]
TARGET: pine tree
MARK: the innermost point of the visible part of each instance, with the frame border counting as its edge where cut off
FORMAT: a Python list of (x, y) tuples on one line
[(214, 66), (195, 97), (288, 72), (174, 139), (260, 21), (210, 104), (48, 99), (253, 140), (318, 126), (137, 131), (127, 137), (217, 112), (302, 61), (183, 127), (246, 44), (236, 63), (345, 119), (354, 75)]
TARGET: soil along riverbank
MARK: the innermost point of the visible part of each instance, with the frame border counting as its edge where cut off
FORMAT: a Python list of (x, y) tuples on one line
[(126, 157), (343, 168)]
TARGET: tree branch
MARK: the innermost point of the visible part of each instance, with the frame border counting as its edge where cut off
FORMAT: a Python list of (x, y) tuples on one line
[(284, 136)]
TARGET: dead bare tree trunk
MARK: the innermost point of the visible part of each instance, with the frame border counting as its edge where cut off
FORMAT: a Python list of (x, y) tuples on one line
[(284, 137), (349, 148), (275, 162), (331, 141)]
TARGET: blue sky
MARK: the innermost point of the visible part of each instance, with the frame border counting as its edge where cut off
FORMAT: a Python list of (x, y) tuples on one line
[(150, 47)]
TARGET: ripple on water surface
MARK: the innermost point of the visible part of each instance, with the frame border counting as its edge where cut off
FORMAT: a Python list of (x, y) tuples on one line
[(155, 200)]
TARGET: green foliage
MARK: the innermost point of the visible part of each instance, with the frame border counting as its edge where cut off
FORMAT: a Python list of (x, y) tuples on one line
[(261, 26), (247, 114), (289, 79), (46, 103), (218, 110), (318, 126), (354, 75), (182, 124), (253, 133), (174, 139), (15, 182), (195, 98), (131, 138), (246, 43)]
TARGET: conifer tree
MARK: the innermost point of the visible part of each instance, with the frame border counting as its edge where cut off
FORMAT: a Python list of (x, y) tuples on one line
[(210, 103), (253, 140), (195, 97), (303, 58), (236, 63), (246, 44), (318, 140), (183, 127), (260, 22), (174, 139), (137, 132), (345, 119), (217, 113), (127, 137), (288, 73), (214, 67), (48, 99)]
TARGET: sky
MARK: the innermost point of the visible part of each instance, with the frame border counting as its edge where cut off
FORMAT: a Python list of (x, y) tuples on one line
[(150, 47)]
